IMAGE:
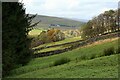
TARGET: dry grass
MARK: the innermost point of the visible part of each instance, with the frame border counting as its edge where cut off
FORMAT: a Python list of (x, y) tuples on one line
[(101, 42)]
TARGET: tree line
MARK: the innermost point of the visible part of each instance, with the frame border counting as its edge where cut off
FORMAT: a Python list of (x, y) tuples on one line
[(104, 23)]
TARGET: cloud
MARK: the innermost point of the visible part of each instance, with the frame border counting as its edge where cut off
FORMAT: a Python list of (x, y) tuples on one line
[(83, 9)]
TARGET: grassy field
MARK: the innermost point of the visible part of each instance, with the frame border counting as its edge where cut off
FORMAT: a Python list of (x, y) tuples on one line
[(35, 32), (51, 49), (86, 62), (59, 42), (104, 67)]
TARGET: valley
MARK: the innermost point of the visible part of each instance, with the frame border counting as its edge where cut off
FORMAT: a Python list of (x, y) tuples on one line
[(70, 46)]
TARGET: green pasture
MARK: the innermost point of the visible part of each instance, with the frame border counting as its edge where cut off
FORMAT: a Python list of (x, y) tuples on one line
[(51, 49), (35, 32), (59, 42), (87, 62)]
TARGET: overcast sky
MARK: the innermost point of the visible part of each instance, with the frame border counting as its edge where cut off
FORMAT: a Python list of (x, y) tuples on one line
[(80, 9)]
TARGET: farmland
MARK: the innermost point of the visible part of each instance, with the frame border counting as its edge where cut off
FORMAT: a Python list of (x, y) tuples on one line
[(89, 61), (83, 63), (68, 40), (60, 42), (35, 32)]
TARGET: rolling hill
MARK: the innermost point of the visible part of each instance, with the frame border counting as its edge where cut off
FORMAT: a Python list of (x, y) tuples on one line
[(86, 62), (47, 21)]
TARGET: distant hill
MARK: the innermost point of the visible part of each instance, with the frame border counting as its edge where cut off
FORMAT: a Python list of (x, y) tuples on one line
[(49, 21), (81, 20)]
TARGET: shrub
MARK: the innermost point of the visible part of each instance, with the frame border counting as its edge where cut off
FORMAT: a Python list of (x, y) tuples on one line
[(109, 51), (83, 57), (62, 60), (118, 50), (93, 56)]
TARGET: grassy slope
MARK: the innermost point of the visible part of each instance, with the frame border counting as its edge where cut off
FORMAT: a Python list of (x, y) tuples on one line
[(98, 67), (51, 49), (59, 42), (46, 20)]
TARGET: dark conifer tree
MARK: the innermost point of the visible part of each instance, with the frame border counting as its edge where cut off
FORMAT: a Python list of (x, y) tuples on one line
[(15, 43)]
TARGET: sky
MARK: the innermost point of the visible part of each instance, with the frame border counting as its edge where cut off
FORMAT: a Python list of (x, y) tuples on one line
[(76, 9)]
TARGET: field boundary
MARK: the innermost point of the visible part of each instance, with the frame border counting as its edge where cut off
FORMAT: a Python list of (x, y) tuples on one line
[(77, 44)]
